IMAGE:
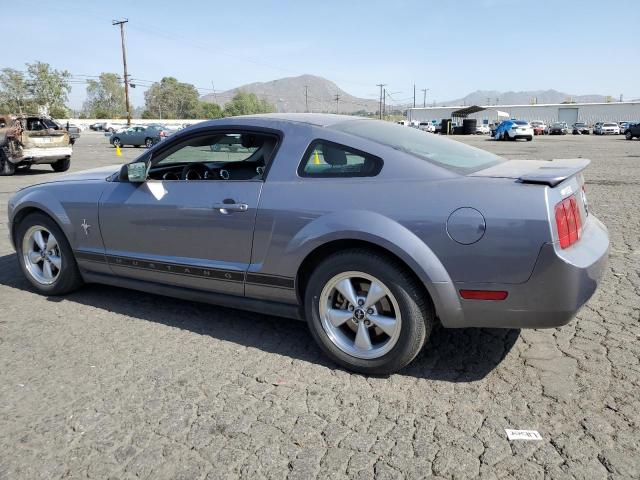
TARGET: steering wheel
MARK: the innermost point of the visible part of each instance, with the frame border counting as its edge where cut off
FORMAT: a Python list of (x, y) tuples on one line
[(195, 171)]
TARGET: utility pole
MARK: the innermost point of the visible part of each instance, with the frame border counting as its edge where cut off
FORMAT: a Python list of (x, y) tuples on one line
[(306, 98), (384, 101), (213, 91), (381, 85), (337, 97), (424, 97), (124, 62), (414, 95)]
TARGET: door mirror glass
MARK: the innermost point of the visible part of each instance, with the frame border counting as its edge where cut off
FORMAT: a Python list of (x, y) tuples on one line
[(137, 172)]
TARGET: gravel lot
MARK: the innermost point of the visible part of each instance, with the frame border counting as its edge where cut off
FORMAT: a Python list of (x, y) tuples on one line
[(109, 383)]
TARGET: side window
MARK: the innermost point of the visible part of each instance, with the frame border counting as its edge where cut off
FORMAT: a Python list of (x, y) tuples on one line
[(218, 148), (327, 159), (215, 156)]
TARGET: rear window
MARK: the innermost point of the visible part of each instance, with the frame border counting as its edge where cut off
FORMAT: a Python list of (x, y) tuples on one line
[(327, 159), (450, 154)]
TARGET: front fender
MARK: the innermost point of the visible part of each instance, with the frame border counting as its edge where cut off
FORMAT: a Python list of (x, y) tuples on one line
[(39, 199), (390, 235)]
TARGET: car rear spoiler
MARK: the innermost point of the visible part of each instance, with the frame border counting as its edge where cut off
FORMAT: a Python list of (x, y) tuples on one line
[(556, 172)]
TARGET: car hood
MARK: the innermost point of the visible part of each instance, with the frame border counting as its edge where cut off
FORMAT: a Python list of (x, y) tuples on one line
[(99, 173)]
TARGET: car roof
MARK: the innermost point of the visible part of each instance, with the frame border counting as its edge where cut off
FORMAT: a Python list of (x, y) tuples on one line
[(316, 119)]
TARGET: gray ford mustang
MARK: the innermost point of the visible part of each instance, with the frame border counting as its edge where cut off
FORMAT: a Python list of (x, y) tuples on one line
[(372, 231)]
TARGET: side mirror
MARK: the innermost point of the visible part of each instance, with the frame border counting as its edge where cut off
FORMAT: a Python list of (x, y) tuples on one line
[(137, 172)]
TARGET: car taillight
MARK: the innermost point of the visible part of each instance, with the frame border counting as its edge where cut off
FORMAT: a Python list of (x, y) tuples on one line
[(568, 221)]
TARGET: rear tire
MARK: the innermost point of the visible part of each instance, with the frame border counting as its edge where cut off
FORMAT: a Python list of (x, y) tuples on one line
[(148, 142), (65, 279), (529, 139), (61, 165), (404, 307)]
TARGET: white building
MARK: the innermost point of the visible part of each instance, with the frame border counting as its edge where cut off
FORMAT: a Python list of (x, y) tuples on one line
[(571, 113)]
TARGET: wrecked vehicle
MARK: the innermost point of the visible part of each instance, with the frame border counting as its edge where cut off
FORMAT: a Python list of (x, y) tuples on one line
[(27, 140)]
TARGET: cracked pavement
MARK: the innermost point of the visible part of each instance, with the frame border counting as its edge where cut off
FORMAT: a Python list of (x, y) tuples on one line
[(111, 383)]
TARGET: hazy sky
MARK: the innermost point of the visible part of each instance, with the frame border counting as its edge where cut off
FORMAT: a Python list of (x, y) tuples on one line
[(452, 48)]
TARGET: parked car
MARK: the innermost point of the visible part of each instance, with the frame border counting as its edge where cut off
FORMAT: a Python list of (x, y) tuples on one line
[(427, 127), (632, 131), (596, 128), (280, 227), (74, 132), (27, 140), (580, 128), (623, 126), (513, 130), (539, 128), (98, 126), (137, 135), (483, 129), (558, 128), (608, 128)]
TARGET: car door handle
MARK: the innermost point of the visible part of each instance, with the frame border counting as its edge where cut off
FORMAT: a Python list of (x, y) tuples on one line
[(228, 207)]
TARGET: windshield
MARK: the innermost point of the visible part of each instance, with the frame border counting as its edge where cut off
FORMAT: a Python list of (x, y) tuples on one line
[(449, 154), (610, 125)]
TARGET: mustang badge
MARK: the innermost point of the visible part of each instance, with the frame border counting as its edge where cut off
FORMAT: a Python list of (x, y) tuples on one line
[(85, 226)]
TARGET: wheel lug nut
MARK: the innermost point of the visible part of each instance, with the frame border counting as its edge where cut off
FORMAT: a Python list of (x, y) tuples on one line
[(351, 308), (370, 311), (360, 302), (367, 322)]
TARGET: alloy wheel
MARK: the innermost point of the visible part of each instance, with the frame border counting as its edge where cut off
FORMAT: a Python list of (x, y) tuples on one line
[(360, 315), (41, 255)]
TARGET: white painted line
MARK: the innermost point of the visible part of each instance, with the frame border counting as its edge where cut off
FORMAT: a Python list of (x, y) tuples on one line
[(522, 434)]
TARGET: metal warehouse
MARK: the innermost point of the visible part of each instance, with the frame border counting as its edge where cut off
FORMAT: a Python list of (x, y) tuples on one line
[(563, 112)]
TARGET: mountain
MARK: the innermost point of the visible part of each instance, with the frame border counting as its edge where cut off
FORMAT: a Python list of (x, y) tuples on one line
[(288, 95), (493, 97)]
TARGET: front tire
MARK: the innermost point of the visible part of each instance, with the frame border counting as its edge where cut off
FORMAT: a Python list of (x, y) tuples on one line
[(117, 142), (628, 136), (45, 256), (367, 313), (148, 142), (6, 167), (61, 165)]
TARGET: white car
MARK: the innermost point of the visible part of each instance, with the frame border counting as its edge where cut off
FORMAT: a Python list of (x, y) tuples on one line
[(483, 130), (608, 128), (427, 127), (520, 129)]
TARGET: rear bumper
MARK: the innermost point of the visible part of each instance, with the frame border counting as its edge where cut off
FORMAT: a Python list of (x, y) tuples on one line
[(45, 155), (561, 282)]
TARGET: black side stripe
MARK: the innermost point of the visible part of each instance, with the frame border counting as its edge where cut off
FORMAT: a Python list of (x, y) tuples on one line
[(275, 281), (270, 280)]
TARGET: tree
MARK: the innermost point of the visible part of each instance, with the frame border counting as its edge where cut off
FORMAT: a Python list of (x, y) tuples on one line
[(209, 110), (40, 87), (105, 97), (49, 88), (171, 99), (244, 103), (14, 95)]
